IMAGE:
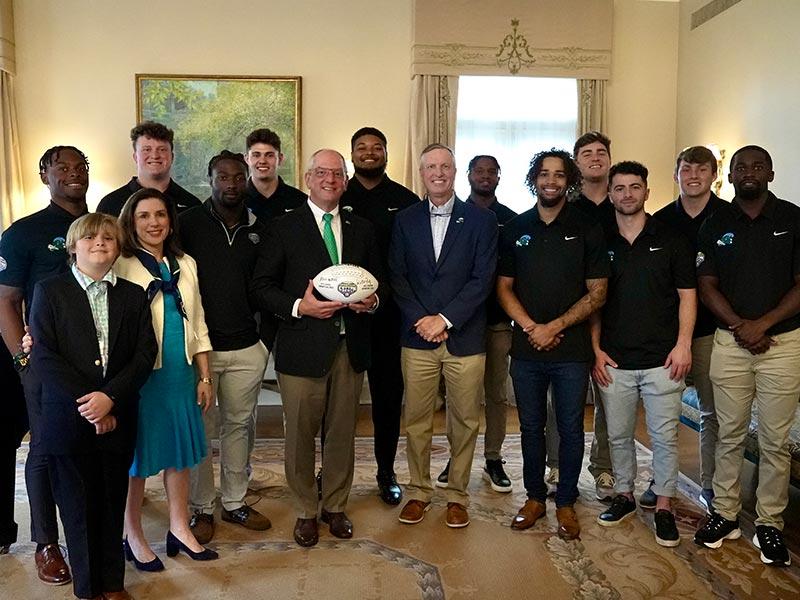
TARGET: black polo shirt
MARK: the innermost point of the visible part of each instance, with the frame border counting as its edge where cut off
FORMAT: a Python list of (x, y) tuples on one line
[(674, 215), (640, 317), (226, 259), (494, 312), (284, 199), (602, 213), (379, 206), (34, 248), (755, 260), (550, 265), (112, 203)]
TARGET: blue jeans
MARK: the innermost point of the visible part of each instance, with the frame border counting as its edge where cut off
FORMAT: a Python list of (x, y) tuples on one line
[(531, 379)]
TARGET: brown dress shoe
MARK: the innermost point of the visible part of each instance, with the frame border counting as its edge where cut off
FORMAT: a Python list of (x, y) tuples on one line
[(52, 567), (202, 526), (568, 527), (414, 511), (120, 595), (457, 515), (531, 511), (340, 525), (306, 532)]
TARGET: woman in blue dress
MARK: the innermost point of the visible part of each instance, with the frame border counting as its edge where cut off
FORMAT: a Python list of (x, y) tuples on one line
[(170, 437)]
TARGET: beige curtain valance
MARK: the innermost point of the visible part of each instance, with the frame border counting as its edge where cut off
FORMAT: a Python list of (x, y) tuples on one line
[(541, 38)]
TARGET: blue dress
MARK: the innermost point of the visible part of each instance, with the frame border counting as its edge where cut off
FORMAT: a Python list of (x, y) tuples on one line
[(171, 431)]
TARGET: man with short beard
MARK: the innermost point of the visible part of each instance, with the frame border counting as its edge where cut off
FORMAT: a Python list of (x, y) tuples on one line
[(227, 241), (695, 172), (553, 274), (153, 154), (375, 197), (749, 276)]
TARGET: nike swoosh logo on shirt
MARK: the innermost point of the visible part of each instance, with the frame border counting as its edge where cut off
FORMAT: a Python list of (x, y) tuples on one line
[(657, 248), (393, 208), (288, 209), (777, 233), (570, 237)]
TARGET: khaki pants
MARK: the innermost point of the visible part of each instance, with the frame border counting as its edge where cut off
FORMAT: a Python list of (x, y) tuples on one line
[(463, 376), (498, 344), (709, 428), (308, 404), (773, 380)]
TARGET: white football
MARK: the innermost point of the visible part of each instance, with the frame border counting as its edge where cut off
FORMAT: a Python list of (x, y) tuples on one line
[(345, 283)]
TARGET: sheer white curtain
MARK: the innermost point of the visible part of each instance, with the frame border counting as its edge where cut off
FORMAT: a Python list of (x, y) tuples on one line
[(593, 106), (512, 118)]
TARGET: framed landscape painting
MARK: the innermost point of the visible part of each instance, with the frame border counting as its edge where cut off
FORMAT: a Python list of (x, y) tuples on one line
[(210, 113)]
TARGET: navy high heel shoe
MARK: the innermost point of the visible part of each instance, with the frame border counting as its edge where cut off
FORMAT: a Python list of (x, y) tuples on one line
[(174, 545), (151, 566)]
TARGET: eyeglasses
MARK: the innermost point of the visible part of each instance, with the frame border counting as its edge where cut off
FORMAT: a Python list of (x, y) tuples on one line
[(321, 173)]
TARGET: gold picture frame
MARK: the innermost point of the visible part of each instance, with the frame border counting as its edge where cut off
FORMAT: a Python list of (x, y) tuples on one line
[(210, 113)]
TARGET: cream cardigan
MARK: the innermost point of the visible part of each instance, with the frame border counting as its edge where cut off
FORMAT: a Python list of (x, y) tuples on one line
[(195, 331)]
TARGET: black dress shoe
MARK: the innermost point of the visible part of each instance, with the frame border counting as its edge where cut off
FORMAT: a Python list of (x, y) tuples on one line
[(390, 492), (305, 532), (152, 566), (174, 545), (340, 525)]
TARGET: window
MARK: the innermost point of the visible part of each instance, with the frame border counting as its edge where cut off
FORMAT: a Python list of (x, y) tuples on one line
[(512, 118)]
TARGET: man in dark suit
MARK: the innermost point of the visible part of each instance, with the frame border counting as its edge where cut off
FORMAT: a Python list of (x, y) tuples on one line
[(322, 348), (442, 260), (94, 348)]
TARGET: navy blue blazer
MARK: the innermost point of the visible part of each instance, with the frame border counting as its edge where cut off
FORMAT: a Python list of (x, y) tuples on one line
[(456, 285), (65, 363)]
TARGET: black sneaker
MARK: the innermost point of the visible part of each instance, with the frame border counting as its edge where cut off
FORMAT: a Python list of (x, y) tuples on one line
[(441, 480), (648, 499), (494, 473), (666, 531), (769, 540), (621, 508), (716, 529)]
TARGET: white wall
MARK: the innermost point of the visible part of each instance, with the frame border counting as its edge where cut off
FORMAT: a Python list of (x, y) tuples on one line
[(643, 89), (77, 60), (738, 84)]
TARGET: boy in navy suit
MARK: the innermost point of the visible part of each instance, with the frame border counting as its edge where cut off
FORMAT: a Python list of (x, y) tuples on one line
[(94, 348)]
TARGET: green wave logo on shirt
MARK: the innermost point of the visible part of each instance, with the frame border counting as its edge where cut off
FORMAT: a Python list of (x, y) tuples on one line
[(725, 240), (611, 255), (700, 259), (57, 245), (524, 240)]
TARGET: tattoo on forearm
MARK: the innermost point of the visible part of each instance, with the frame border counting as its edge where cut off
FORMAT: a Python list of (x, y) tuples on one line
[(595, 298)]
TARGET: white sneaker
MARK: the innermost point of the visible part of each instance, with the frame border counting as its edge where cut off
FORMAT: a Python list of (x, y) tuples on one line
[(552, 481), (604, 487)]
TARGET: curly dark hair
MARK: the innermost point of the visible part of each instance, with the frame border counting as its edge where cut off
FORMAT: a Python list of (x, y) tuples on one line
[(154, 130), (570, 169), (226, 155), (51, 155)]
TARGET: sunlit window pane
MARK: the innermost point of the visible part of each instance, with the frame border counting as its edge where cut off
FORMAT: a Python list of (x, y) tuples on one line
[(512, 118)]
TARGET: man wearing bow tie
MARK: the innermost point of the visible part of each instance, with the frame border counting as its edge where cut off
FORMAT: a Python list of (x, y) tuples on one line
[(442, 261)]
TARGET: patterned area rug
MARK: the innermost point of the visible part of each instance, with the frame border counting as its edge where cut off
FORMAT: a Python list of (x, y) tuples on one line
[(388, 560)]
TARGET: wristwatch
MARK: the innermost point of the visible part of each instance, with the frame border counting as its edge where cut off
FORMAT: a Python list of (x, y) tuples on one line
[(21, 360), (207, 380)]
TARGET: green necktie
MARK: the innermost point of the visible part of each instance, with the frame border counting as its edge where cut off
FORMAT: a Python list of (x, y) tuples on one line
[(330, 241)]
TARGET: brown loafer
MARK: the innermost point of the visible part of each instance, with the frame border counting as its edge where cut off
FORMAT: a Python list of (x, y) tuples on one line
[(568, 527), (340, 526), (457, 515), (306, 532), (202, 526), (414, 511), (120, 595), (52, 567), (531, 511)]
